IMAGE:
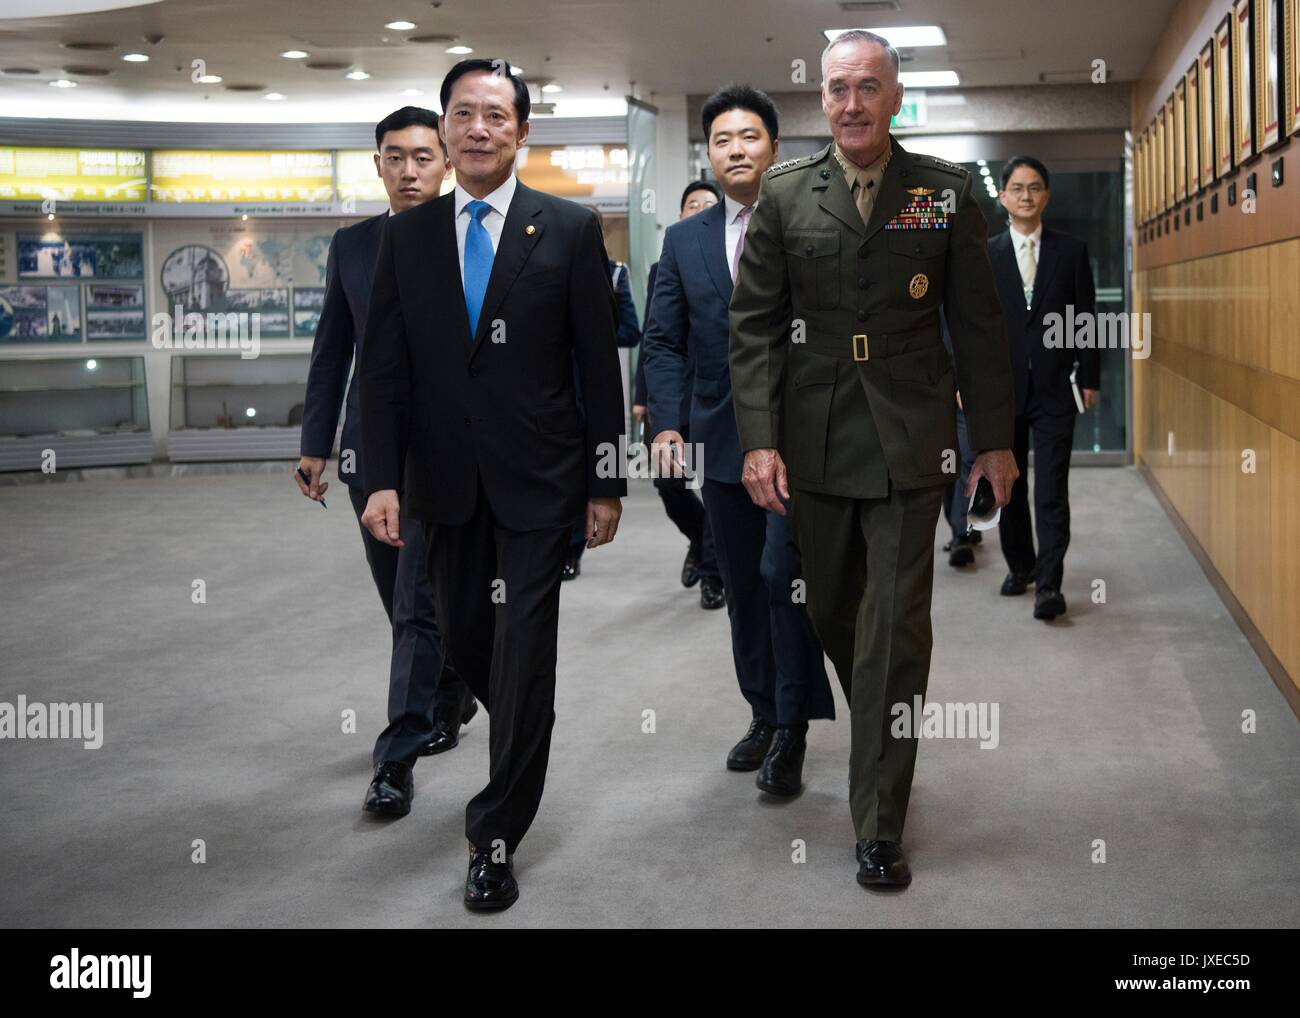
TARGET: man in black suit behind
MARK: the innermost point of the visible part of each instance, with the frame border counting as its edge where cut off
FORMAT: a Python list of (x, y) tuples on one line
[(483, 302), (1041, 272), (427, 702)]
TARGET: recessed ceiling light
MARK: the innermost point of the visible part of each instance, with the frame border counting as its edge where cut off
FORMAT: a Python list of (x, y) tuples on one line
[(412, 91), (552, 87), (294, 54), (275, 97), (459, 50), (928, 79), (92, 364), (136, 58), (514, 69), (63, 83), (903, 36), (400, 26), (981, 162), (356, 75), (209, 79)]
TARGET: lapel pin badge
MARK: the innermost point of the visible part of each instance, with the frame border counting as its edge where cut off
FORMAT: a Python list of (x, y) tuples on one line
[(530, 230)]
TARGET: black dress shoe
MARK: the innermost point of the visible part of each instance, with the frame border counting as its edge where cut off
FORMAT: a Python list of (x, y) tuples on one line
[(446, 732), (712, 594), (961, 552), (1048, 603), (490, 886), (882, 864), (782, 770), (691, 567), (976, 537), (748, 754), (392, 789), (572, 567), (1015, 584)]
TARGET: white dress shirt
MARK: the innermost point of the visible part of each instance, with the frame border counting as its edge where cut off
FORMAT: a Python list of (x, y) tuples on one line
[(732, 236), (494, 221)]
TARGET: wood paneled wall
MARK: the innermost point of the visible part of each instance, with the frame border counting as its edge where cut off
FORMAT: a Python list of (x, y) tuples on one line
[(1217, 404)]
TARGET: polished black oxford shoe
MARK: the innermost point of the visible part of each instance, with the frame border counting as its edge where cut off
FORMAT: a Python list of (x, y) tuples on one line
[(961, 552), (712, 594), (881, 864), (782, 770), (490, 886), (446, 733), (748, 754), (392, 789), (691, 567), (1015, 584), (1048, 603)]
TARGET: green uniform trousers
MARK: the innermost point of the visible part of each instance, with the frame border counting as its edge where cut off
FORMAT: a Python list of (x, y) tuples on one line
[(869, 567)]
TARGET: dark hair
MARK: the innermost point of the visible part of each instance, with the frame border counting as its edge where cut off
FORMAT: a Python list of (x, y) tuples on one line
[(407, 116), (523, 104), (740, 97), (1015, 162), (699, 185)]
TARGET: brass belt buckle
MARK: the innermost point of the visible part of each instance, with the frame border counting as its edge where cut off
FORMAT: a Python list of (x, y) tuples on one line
[(861, 339)]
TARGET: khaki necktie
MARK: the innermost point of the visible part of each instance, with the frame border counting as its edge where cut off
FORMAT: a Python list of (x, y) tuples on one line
[(1028, 269), (864, 195)]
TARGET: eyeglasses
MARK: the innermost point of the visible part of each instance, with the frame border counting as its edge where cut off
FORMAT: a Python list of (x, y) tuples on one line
[(1019, 189)]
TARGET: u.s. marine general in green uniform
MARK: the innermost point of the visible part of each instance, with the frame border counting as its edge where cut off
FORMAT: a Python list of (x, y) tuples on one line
[(838, 363)]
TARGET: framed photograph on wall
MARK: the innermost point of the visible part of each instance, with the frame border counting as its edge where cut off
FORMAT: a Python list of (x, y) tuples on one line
[(1139, 179), (1205, 90), (1224, 140), (1172, 137), (1268, 74), (1243, 81), (1162, 162), (1291, 66), (1193, 94), (1180, 140)]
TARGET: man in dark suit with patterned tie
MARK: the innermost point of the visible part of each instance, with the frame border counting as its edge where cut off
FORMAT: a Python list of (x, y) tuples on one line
[(1040, 273), (779, 663), (427, 702), (484, 302)]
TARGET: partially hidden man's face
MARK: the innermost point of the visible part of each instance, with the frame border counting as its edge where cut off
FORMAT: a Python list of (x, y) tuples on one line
[(698, 201), (740, 150), (860, 95), (1025, 195), (482, 129), (411, 164)]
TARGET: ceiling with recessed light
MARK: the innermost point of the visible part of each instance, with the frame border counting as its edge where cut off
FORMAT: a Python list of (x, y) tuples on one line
[(343, 60)]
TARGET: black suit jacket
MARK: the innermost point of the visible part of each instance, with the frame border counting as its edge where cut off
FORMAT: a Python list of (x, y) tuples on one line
[(1064, 277), (441, 409), (338, 339)]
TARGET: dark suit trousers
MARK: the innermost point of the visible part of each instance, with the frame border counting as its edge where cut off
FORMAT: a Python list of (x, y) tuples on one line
[(870, 569), (685, 508), (497, 593), (779, 663), (420, 684), (1053, 437)]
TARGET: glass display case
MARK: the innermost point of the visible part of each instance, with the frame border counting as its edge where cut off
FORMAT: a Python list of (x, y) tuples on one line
[(226, 407), (86, 411)]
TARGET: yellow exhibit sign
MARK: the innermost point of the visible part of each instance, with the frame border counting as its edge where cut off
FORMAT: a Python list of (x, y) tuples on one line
[(72, 174), (192, 175)]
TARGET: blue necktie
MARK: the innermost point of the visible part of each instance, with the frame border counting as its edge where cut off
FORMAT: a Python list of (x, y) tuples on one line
[(478, 263)]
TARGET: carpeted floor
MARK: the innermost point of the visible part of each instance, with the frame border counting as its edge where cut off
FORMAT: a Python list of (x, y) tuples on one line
[(1121, 723)]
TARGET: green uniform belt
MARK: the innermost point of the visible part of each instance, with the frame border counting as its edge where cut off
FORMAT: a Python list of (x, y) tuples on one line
[(865, 346)]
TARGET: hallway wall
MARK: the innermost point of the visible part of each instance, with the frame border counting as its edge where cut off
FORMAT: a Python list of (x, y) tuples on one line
[(1223, 379)]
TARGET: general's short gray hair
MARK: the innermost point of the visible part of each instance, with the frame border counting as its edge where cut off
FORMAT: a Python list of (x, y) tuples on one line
[(860, 35)]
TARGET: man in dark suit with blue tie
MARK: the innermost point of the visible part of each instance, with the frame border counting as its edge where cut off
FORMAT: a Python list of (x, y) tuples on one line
[(779, 662), (1041, 272), (427, 703), (484, 302)]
